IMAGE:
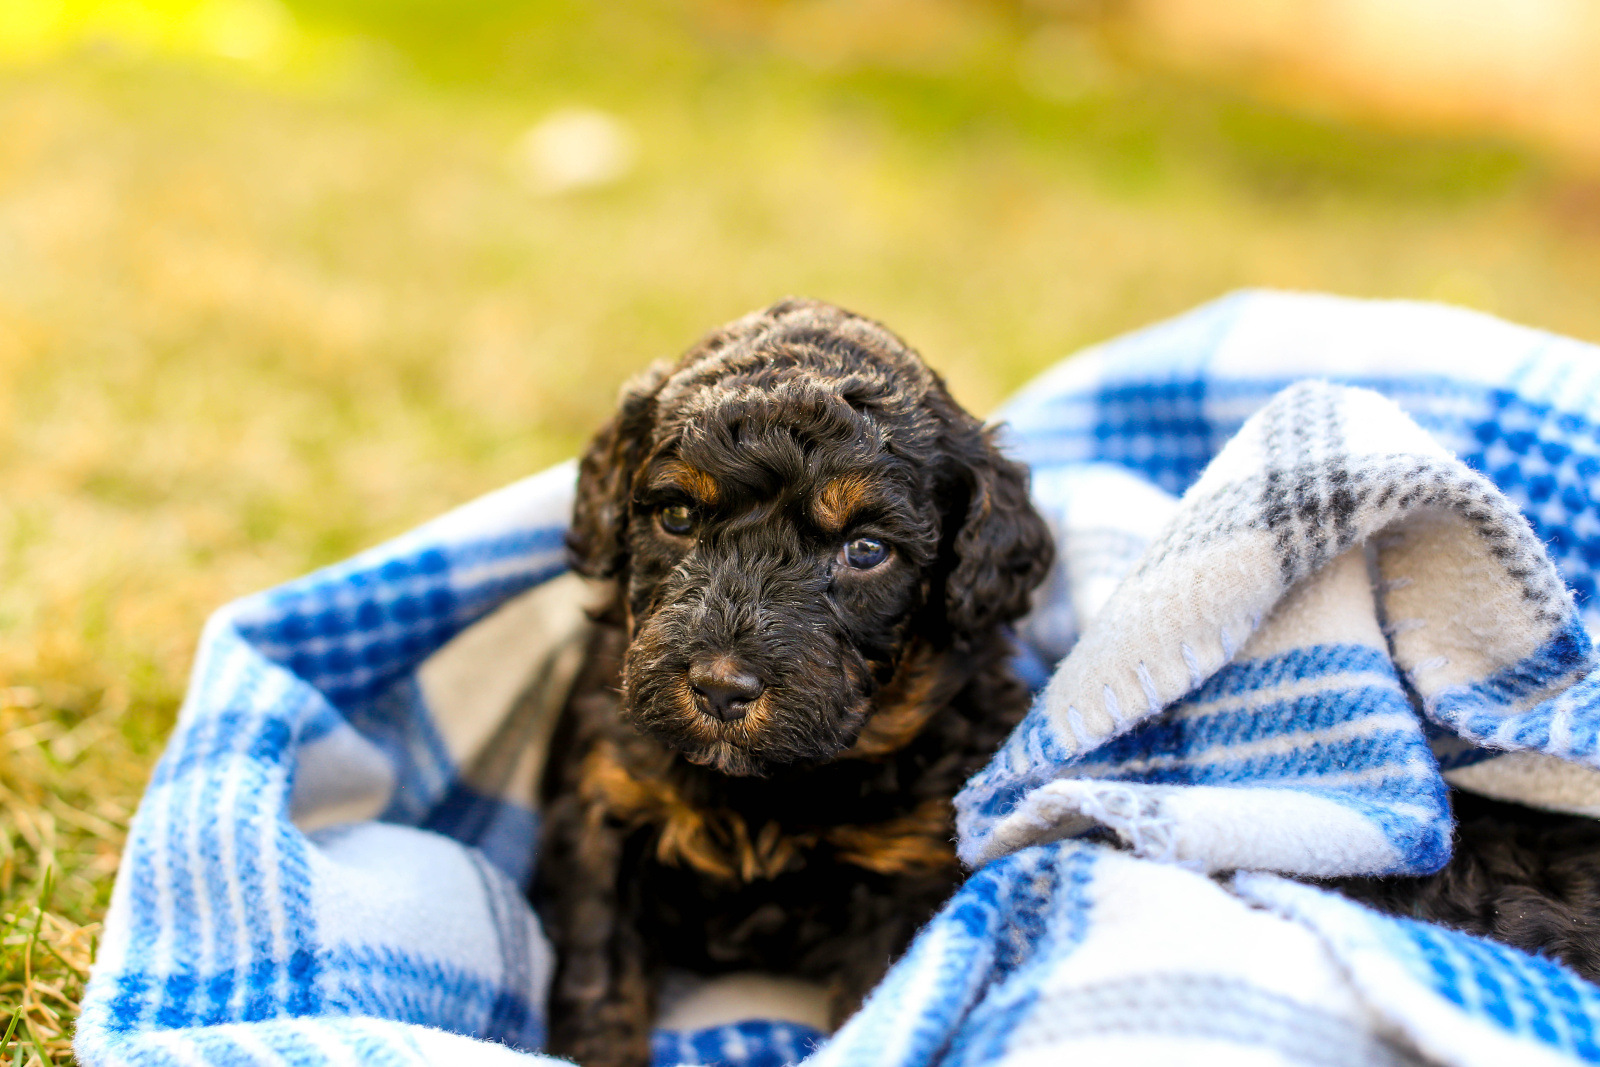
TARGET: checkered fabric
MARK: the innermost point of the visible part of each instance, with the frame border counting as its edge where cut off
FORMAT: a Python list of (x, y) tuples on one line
[(1244, 696), (1379, 577)]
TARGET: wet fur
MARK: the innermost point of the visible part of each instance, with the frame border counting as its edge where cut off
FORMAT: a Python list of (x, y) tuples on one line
[(813, 836)]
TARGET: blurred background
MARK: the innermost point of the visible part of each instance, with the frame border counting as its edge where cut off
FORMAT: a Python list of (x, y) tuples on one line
[(281, 278)]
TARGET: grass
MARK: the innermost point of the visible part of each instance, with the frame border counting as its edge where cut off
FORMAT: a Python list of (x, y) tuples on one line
[(259, 312), (59, 838)]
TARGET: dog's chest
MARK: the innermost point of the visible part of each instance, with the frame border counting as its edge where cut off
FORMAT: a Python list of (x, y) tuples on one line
[(804, 921), (736, 833), (767, 874)]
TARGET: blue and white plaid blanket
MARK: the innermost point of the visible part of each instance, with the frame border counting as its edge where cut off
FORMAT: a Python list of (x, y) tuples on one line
[(1381, 576)]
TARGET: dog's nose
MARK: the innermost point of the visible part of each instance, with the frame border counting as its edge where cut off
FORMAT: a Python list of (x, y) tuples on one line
[(725, 686)]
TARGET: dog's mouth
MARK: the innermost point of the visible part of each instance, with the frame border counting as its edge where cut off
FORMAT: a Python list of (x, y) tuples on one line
[(724, 744), (771, 731)]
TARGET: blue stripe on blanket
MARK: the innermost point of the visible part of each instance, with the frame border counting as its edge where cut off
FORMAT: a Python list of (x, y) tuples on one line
[(397, 722), (1373, 757), (1384, 750), (294, 1048), (372, 1050), (1524, 995), (1168, 749), (1545, 459), (370, 981), (1051, 917), (209, 899), (1562, 660), (1031, 757), (387, 983), (352, 629), (1548, 700), (755, 1043), (1315, 661), (1567, 655), (428, 792), (1154, 749), (1168, 429), (1547, 462), (1415, 819), (1028, 906), (507, 834), (230, 1049)]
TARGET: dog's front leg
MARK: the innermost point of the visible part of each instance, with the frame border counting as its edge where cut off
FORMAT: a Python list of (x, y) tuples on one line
[(603, 997)]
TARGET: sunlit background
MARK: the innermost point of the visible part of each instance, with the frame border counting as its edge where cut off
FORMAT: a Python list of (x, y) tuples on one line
[(281, 279)]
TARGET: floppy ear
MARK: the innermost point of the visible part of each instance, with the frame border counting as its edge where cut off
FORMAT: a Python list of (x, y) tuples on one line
[(597, 541), (1002, 548)]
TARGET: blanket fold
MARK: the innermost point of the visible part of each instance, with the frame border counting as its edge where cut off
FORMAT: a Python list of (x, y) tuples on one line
[(1284, 686), (1317, 558)]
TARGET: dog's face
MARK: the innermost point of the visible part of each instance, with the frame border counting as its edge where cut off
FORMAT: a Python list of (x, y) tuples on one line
[(800, 518)]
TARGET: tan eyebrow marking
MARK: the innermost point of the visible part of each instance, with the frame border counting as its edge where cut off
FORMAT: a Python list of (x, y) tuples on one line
[(694, 482), (840, 500)]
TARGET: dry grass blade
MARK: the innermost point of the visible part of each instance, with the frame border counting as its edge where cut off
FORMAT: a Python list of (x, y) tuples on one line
[(44, 962), (46, 940)]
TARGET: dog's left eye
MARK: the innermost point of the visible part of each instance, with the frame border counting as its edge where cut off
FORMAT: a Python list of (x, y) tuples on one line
[(865, 553), (677, 519)]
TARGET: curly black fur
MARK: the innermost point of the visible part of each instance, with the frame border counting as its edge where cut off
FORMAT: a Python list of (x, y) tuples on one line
[(770, 788), (1527, 878)]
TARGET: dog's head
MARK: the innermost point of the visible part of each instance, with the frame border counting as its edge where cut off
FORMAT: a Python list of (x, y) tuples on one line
[(809, 536)]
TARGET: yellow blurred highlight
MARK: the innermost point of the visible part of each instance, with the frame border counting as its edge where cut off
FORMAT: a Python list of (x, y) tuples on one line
[(260, 32)]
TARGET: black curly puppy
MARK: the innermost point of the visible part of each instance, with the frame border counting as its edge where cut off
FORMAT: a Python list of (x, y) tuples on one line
[(814, 554)]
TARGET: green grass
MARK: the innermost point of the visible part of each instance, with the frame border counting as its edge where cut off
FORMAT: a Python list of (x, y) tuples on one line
[(257, 315)]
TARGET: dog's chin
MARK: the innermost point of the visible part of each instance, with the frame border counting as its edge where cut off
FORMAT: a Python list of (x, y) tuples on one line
[(743, 749), (726, 759)]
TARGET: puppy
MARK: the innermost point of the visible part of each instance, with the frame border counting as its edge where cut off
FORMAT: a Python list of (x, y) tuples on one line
[(813, 554)]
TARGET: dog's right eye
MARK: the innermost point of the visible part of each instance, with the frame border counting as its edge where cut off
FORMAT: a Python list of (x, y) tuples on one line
[(676, 519), (865, 553)]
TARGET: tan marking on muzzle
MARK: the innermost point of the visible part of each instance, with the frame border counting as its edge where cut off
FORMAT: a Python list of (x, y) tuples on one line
[(708, 729)]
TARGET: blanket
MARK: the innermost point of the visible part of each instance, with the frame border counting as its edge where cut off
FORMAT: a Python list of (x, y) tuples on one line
[(1318, 558)]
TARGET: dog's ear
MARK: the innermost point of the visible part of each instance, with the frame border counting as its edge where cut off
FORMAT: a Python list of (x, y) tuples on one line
[(1002, 548), (597, 539), (597, 543)]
